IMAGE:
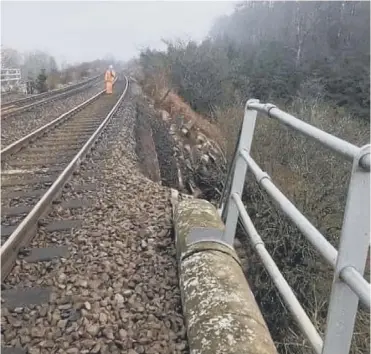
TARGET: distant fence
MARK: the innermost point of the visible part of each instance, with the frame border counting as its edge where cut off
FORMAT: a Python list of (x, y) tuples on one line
[(349, 285), (10, 78)]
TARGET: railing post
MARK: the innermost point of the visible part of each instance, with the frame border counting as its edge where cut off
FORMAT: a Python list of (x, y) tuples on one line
[(354, 242), (245, 141)]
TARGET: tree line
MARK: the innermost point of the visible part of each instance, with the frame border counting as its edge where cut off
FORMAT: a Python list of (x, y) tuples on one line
[(42, 73), (312, 60), (275, 51)]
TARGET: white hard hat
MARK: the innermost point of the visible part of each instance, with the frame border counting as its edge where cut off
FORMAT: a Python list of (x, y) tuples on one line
[(111, 67)]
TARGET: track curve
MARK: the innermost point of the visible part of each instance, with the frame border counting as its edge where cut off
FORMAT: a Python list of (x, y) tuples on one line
[(21, 105), (35, 168)]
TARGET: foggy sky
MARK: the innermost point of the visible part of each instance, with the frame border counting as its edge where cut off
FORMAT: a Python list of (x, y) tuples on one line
[(87, 30)]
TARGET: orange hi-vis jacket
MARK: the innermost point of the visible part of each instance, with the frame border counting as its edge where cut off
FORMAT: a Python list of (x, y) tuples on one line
[(108, 79), (109, 76)]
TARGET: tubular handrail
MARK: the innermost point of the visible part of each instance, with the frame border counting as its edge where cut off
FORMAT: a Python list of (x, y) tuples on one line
[(348, 261), (348, 150), (313, 235), (230, 171), (284, 288)]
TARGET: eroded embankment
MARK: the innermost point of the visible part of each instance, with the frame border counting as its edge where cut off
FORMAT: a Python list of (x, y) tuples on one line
[(186, 158), (145, 147), (155, 146), (201, 165)]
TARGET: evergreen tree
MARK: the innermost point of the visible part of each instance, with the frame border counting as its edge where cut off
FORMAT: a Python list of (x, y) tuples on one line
[(41, 82)]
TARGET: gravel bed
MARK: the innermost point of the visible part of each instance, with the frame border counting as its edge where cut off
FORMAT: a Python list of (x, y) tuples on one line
[(12, 97), (19, 125), (118, 290)]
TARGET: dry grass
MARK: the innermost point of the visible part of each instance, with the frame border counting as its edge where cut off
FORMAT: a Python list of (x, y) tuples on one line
[(316, 181), (229, 120), (157, 87), (176, 106)]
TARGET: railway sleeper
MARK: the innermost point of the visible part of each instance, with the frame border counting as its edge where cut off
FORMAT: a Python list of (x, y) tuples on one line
[(55, 231), (50, 149), (42, 160), (67, 139), (28, 181)]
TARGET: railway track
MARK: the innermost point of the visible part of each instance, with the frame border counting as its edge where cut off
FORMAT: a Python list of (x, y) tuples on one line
[(18, 106), (11, 96), (36, 167), (100, 275)]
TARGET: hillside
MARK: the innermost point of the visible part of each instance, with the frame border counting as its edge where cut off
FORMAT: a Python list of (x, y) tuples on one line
[(312, 60)]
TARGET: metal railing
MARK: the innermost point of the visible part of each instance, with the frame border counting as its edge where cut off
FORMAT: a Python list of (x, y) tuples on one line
[(10, 75), (349, 285)]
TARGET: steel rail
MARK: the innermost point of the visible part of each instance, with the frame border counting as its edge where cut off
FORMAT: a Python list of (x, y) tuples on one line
[(10, 111), (24, 232), (49, 93), (19, 144)]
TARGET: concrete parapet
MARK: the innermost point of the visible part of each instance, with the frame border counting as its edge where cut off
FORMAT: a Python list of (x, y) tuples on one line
[(221, 313)]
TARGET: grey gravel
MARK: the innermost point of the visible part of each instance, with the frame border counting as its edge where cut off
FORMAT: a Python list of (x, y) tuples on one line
[(19, 125), (121, 277), (12, 97)]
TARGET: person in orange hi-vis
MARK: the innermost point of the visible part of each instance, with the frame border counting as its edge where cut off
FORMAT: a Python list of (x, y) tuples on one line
[(108, 79)]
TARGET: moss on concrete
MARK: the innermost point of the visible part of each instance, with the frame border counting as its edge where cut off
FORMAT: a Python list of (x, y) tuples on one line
[(220, 310), (191, 213)]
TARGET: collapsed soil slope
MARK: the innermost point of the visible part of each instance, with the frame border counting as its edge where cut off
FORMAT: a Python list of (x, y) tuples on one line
[(202, 170), (188, 159)]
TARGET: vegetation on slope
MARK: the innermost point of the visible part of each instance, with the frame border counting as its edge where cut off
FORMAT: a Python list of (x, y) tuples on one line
[(311, 59), (275, 50)]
